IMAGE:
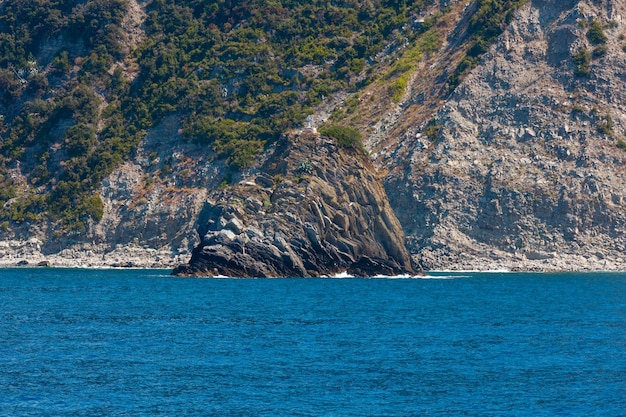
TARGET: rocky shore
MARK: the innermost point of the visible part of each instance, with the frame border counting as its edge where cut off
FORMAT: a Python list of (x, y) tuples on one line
[(26, 253), (551, 263), (29, 253)]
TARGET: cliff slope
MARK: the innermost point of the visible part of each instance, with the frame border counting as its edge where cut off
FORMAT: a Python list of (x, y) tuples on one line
[(523, 166), (118, 117)]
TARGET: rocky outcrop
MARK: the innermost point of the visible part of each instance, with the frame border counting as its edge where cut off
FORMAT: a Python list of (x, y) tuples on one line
[(312, 209)]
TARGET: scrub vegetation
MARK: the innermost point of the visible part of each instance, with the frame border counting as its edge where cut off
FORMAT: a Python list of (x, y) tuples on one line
[(78, 93)]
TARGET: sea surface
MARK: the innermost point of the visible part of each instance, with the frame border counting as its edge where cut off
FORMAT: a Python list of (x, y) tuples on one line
[(141, 343)]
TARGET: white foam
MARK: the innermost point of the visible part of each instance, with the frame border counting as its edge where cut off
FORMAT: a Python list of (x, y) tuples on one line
[(444, 276), (342, 275), (419, 276), (472, 271), (406, 276)]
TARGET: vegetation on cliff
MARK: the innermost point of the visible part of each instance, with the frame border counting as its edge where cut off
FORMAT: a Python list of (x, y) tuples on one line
[(485, 26), (78, 93), (81, 81)]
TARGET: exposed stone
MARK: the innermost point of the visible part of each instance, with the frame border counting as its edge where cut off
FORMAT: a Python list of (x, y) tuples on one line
[(264, 181), (520, 165), (251, 232), (235, 225), (534, 255), (254, 204), (306, 242)]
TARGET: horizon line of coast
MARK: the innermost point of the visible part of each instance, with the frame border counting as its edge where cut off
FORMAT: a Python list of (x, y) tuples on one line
[(27, 253)]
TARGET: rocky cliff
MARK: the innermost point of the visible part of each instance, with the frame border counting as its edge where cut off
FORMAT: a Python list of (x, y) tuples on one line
[(313, 208), (520, 166), (151, 205), (523, 166)]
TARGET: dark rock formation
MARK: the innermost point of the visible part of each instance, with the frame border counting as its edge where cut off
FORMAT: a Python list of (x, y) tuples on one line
[(312, 209)]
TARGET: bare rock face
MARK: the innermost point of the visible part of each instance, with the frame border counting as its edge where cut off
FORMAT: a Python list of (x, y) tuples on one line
[(527, 168), (312, 209), (155, 198)]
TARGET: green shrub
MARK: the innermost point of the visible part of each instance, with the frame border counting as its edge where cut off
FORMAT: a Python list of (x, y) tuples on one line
[(338, 115), (79, 139), (397, 88), (621, 144), (351, 103), (357, 65), (7, 192), (93, 207), (599, 51), (582, 59), (10, 87), (27, 208), (60, 65), (433, 129), (346, 137), (38, 84), (595, 34), (241, 153), (606, 126)]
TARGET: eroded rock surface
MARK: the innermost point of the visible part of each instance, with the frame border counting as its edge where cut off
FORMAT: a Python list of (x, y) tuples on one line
[(312, 209), (524, 171)]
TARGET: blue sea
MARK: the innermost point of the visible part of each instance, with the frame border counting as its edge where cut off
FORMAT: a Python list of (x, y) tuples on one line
[(141, 343)]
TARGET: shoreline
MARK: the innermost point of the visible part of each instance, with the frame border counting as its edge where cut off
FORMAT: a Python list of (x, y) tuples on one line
[(550, 262), (54, 261), (434, 274), (21, 253)]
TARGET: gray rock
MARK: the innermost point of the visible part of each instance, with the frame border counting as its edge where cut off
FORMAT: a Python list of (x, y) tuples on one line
[(252, 233), (305, 241), (537, 255), (264, 181), (313, 235), (234, 225), (254, 204)]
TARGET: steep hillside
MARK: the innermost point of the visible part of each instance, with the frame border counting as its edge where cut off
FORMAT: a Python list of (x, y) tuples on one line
[(496, 125), (119, 116), (523, 165)]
